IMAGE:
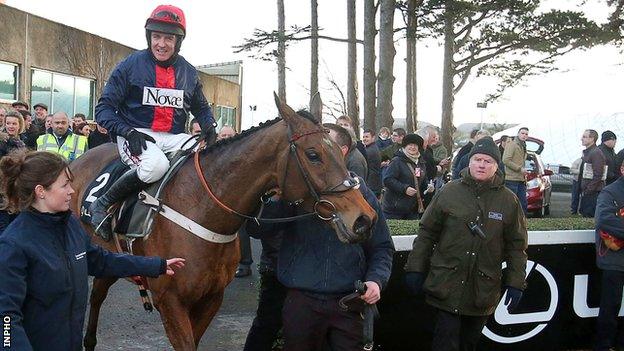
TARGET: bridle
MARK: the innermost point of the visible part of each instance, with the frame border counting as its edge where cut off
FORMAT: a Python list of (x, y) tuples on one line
[(348, 184)]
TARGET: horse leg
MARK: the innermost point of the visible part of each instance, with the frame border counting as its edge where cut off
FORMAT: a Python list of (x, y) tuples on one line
[(98, 295), (177, 323), (203, 312)]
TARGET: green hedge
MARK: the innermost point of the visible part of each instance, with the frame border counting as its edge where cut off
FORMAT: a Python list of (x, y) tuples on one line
[(400, 227)]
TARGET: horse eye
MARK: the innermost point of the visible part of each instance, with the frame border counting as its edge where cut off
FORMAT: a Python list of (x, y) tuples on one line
[(313, 155)]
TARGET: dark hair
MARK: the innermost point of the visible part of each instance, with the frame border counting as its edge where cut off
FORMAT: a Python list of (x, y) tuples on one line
[(21, 171), (504, 138), (473, 133), (593, 134), (24, 113), (369, 131), (78, 128), (343, 138), (523, 128), (80, 115), (400, 131)]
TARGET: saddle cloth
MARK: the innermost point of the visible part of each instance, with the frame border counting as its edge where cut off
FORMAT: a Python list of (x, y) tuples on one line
[(133, 218)]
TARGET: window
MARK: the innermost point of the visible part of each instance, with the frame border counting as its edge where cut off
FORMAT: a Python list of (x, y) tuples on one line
[(224, 115), (8, 81), (41, 89), (63, 93)]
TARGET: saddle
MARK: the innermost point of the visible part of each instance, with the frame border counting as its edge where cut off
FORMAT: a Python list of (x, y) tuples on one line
[(133, 218)]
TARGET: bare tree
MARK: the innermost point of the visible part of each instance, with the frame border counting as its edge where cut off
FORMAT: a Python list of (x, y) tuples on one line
[(510, 40), (353, 106), (281, 51), (314, 60), (383, 116), (411, 97), (90, 58), (370, 77)]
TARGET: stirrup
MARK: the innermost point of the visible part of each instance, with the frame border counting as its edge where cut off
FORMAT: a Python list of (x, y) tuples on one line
[(99, 229)]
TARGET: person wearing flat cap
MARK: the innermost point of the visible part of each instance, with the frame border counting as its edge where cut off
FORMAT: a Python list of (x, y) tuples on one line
[(406, 181), (20, 105), (475, 224), (41, 113), (607, 146)]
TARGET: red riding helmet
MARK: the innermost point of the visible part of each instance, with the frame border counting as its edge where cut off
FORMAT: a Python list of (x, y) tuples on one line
[(167, 19)]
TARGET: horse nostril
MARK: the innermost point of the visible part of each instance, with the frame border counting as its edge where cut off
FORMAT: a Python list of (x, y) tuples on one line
[(362, 226)]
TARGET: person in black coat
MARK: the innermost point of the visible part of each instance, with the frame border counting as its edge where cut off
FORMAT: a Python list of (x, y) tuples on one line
[(98, 137), (373, 178), (46, 256), (403, 197)]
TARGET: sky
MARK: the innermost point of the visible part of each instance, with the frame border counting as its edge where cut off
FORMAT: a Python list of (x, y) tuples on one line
[(586, 83)]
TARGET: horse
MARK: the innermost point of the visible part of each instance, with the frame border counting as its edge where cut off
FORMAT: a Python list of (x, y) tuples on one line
[(292, 154)]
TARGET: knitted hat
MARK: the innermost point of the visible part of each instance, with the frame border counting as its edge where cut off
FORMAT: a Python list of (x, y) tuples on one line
[(413, 139), (486, 146), (607, 135)]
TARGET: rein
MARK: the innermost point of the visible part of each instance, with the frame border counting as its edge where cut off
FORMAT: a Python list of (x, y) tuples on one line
[(348, 184), (230, 210)]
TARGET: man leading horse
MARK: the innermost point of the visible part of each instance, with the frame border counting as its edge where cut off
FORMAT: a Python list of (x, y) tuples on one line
[(145, 103)]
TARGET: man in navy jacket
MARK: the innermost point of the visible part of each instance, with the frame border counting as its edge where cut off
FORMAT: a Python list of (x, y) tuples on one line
[(610, 202), (318, 270)]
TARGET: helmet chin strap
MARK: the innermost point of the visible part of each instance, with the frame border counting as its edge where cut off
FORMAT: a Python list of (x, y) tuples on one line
[(173, 58)]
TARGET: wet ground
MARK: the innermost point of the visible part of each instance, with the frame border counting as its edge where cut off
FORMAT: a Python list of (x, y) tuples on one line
[(125, 325)]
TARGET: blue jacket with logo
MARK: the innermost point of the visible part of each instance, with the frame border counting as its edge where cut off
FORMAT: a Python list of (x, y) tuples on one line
[(312, 259), (141, 94), (44, 263), (610, 201)]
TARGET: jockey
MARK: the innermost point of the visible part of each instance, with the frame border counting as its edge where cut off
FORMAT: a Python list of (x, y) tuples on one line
[(145, 104)]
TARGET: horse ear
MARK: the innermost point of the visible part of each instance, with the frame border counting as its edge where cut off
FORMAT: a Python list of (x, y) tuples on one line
[(316, 107), (285, 111)]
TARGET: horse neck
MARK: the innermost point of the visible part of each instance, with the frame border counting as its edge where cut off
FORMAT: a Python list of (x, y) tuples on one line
[(239, 173)]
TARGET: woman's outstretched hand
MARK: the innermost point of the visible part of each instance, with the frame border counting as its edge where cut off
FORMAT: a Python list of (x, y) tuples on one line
[(174, 263)]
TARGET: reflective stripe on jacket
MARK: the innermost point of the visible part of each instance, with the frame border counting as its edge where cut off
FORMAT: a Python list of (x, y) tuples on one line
[(73, 146)]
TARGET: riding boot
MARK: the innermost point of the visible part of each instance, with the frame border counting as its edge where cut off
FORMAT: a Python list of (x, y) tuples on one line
[(124, 186)]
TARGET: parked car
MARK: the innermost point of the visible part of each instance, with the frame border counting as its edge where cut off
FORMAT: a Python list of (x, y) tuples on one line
[(539, 187)]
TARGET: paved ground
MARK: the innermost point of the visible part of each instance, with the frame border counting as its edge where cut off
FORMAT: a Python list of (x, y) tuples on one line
[(126, 326)]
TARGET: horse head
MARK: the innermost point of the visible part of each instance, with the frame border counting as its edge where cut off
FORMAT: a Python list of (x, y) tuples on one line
[(315, 177)]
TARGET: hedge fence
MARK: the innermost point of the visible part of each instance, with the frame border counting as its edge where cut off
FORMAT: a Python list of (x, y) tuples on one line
[(403, 227)]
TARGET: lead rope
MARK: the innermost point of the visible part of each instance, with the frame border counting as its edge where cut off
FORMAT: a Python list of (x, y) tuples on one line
[(139, 281)]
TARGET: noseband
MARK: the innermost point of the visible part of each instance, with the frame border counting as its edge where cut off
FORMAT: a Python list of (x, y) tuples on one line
[(348, 184)]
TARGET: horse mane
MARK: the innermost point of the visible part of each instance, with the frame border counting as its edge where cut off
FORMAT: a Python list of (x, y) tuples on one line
[(242, 134), (303, 113)]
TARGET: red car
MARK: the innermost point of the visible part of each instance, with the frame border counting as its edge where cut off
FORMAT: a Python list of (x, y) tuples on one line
[(539, 188)]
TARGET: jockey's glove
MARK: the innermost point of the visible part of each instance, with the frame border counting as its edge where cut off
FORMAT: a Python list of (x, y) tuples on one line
[(137, 142), (208, 133)]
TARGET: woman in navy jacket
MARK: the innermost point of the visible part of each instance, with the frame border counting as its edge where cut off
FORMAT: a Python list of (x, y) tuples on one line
[(46, 256)]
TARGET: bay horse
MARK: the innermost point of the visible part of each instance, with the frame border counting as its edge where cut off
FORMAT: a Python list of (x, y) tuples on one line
[(293, 154)]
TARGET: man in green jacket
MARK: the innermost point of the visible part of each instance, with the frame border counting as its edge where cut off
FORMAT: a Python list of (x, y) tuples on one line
[(471, 227), (513, 158)]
